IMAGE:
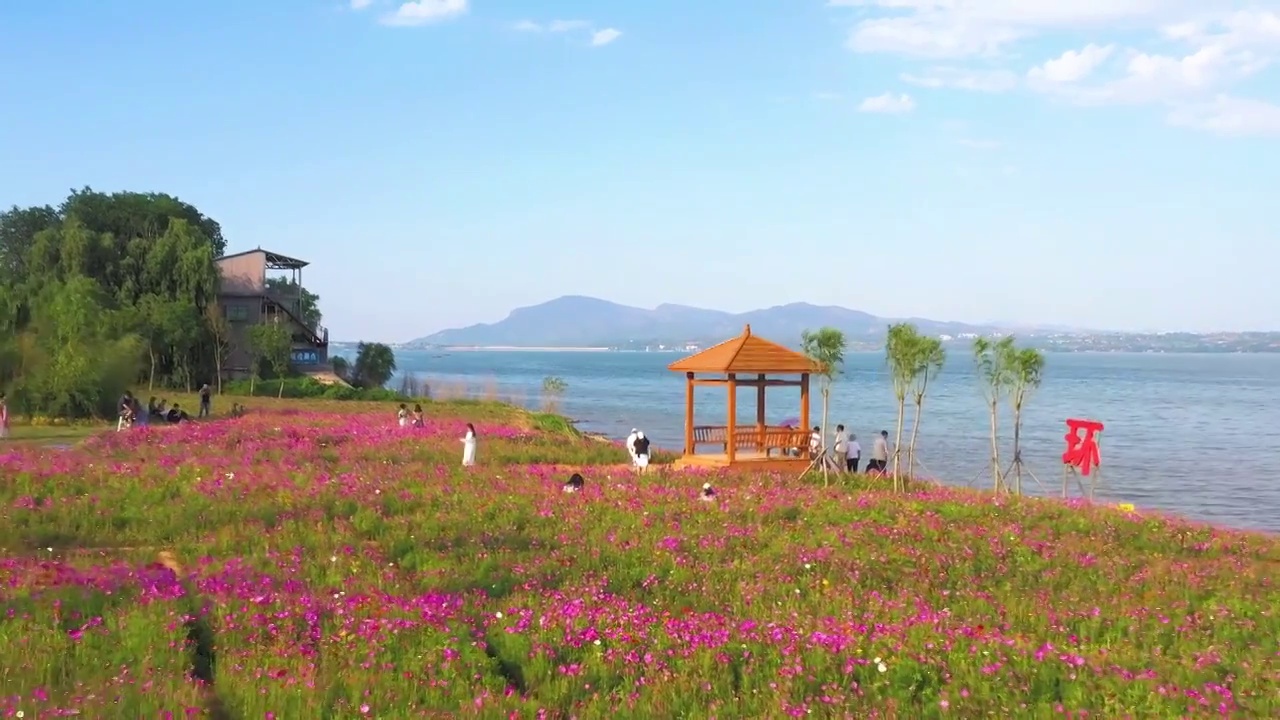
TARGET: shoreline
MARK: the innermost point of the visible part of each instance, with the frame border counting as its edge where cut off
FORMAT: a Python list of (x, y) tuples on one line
[(517, 348)]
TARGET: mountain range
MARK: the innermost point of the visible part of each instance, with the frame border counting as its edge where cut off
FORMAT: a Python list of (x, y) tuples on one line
[(578, 321)]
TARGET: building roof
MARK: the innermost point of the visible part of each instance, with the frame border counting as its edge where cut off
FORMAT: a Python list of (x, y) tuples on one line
[(275, 261), (747, 353)]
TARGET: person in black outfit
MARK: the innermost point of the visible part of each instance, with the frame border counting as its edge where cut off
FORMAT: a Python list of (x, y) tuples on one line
[(125, 409), (177, 415), (204, 401)]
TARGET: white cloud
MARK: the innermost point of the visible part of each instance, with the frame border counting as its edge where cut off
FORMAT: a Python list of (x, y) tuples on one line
[(1073, 65), (422, 12), (1218, 53), (555, 26), (888, 103), (1225, 115), (991, 81), (360, 4), (961, 28), (605, 36)]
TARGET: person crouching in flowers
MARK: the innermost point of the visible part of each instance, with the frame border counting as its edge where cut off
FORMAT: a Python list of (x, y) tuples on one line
[(402, 415), (708, 493), (469, 446), (575, 484)]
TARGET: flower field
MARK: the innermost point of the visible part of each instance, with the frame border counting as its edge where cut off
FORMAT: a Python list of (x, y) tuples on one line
[(333, 565)]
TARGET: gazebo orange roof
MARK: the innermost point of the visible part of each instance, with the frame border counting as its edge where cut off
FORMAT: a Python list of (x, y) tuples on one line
[(746, 353)]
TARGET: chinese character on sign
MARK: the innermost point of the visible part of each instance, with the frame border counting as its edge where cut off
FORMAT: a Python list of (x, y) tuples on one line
[(1082, 451)]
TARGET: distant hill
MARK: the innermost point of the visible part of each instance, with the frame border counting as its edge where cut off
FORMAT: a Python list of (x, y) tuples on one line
[(577, 321)]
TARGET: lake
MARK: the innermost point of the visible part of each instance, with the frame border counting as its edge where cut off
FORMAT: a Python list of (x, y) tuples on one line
[(1192, 434)]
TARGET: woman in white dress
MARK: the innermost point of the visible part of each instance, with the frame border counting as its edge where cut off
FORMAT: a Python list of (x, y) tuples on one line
[(469, 446)]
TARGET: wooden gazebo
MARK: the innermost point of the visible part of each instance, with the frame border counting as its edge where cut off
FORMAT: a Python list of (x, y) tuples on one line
[(746, 361)]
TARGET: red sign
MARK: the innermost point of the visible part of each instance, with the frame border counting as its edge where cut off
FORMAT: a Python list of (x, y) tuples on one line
[(1082, 451)]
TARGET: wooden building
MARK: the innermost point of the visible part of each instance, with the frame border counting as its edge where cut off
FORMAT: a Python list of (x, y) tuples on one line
[(753, 362), (245, 301)]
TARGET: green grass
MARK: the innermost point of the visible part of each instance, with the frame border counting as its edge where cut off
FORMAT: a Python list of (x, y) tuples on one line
[(50, 434), (338, 566)]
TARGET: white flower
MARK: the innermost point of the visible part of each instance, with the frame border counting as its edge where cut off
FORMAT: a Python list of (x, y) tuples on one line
[(881, 667), (498, 615), (876, 660), (333, 558), (20, 714), (807, 566), (49, 549), (597, 641)]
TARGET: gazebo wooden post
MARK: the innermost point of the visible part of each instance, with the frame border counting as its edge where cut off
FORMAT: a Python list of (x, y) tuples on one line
[(731, 432), (760, 413), (804, 401), (688, 414)]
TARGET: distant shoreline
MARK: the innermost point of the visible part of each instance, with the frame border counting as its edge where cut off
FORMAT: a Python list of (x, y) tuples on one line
[(519, 348)]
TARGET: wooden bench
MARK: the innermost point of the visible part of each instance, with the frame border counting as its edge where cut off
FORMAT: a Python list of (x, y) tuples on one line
[(749, 437), (710, 434)]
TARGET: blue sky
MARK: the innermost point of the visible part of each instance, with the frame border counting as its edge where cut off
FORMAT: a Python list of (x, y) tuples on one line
[(1100, 163)]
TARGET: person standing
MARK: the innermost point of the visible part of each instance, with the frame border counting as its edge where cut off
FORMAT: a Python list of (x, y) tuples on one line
[(469, 446), (4, 416), (205, 401), (840, 447), (631, 444), (642, 452), (880, 453), (855, 454), (815, 442)]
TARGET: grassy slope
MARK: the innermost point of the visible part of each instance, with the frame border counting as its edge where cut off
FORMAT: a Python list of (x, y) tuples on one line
[(781, 598)]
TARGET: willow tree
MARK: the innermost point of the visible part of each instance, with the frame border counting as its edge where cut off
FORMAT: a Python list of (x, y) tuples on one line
[(990, 358), (825, 347), (929, 357), (1024, 369), (902, 350)]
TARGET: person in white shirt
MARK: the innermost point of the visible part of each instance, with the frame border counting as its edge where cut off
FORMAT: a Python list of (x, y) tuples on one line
[(631, 444), (642, 452), (469, 446), (815, 442), (855, 454), (880, 453), (841, 446)]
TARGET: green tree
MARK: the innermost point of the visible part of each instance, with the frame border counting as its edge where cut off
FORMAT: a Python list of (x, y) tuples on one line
[(18, 229), (341, 368), (307, 303), (902, 355), (826, 348), (375, 364), (929, 357), (271, 345), (131, 215), (1025, 369), (72, 362), (990, 358), (221, 340), (553, 388)]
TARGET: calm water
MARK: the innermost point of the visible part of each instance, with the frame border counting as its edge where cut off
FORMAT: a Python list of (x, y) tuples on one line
[(1193, 434)]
